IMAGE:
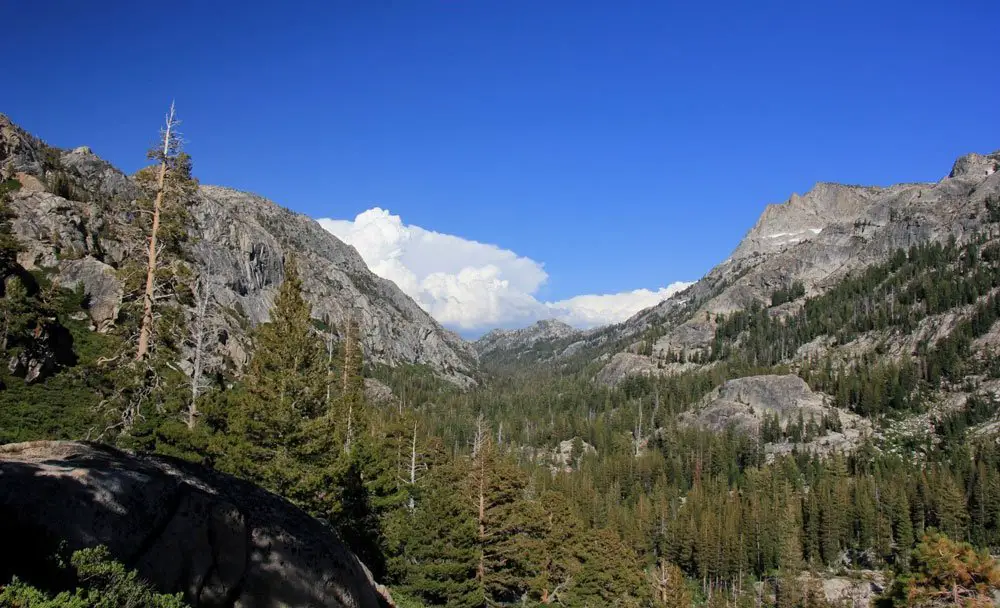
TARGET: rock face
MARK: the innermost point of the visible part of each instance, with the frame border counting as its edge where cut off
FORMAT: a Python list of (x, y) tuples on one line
[(816, 239), (863, 589), (242, 240), (101, 285), (624, 365), (78, 226), (523, 339), (220, 541), (561, 459), (546, 340), (743, 403)]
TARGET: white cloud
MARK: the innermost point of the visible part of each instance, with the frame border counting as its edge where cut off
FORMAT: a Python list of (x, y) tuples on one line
[(594, 310), (468, 285)]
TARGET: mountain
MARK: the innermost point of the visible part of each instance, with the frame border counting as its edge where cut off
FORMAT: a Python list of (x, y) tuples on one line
[(72, 215), (820, 237), (498, 343), (798, 249)]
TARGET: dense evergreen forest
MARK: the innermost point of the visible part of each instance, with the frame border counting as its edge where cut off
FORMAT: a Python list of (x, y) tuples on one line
[(465, 499)]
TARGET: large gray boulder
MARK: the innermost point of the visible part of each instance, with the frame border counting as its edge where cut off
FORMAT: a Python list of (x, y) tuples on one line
[(743, 404), (101, 285), (185, 528)]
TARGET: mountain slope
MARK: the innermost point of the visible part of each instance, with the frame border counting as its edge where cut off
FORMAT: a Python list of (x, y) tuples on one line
[(498, 343), (73, 211), (818, 238), (810, 243)]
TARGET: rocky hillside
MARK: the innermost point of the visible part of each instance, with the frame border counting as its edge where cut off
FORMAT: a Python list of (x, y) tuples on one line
[(519, 343), (796, 250), (70, 210), (787, 404), (816, 240)]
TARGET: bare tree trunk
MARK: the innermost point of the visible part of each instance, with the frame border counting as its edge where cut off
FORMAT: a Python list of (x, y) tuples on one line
[(146, 329), (198, 330), (329, 370), (347, 358), (481, 568), (479, 449), (638, 431), (350, 424), (348, 366), (413, 465)]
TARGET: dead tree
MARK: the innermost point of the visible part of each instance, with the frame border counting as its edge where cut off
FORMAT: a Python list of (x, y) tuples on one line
[(480, 455), (413, 465), (638, 432), (203, 323), (170, 149)]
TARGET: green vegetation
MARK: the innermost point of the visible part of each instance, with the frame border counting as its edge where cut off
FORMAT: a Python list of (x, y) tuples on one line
[(791, 293), (457, 498), (946, 572), (100, 582)]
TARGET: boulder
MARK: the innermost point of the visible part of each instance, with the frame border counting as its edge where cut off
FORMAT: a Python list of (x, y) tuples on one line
[(743, 403), (218, 540), (378, 392), (101, 285)]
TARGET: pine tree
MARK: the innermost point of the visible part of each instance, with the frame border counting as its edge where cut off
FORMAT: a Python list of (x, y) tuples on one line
[(17, 314), (559, 550), (441, 555), (9, 245), (671, 589), (949, 513), (833, 491), (610, 574), (509, 526), (946, 572), (276, 421), (352, 383)]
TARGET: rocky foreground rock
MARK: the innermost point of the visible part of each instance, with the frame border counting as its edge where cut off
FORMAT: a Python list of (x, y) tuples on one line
[(221, 541)]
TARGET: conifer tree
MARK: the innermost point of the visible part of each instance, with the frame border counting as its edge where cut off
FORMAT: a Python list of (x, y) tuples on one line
[(9, 245), (441, 555), (670, 586), (170, 187), (276, 418), (352, 383)]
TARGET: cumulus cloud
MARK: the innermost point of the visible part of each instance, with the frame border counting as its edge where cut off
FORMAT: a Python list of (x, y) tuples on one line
[(594, 310), (467, 285)]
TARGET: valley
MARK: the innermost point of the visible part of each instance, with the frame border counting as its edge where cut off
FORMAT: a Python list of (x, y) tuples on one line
[(806, 425)]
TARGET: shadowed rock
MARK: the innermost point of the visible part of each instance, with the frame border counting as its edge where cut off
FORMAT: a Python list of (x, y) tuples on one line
[(220, 541)]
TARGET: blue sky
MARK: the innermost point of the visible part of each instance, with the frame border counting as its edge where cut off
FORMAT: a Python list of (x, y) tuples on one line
[(618, 145)]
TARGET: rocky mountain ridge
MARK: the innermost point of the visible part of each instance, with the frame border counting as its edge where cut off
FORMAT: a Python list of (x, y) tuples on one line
[(71, 201), (506, 340), (818, 238), (813, 240)]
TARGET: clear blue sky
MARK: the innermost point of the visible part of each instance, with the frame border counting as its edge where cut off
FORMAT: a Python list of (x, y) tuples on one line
[(624, 144)]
